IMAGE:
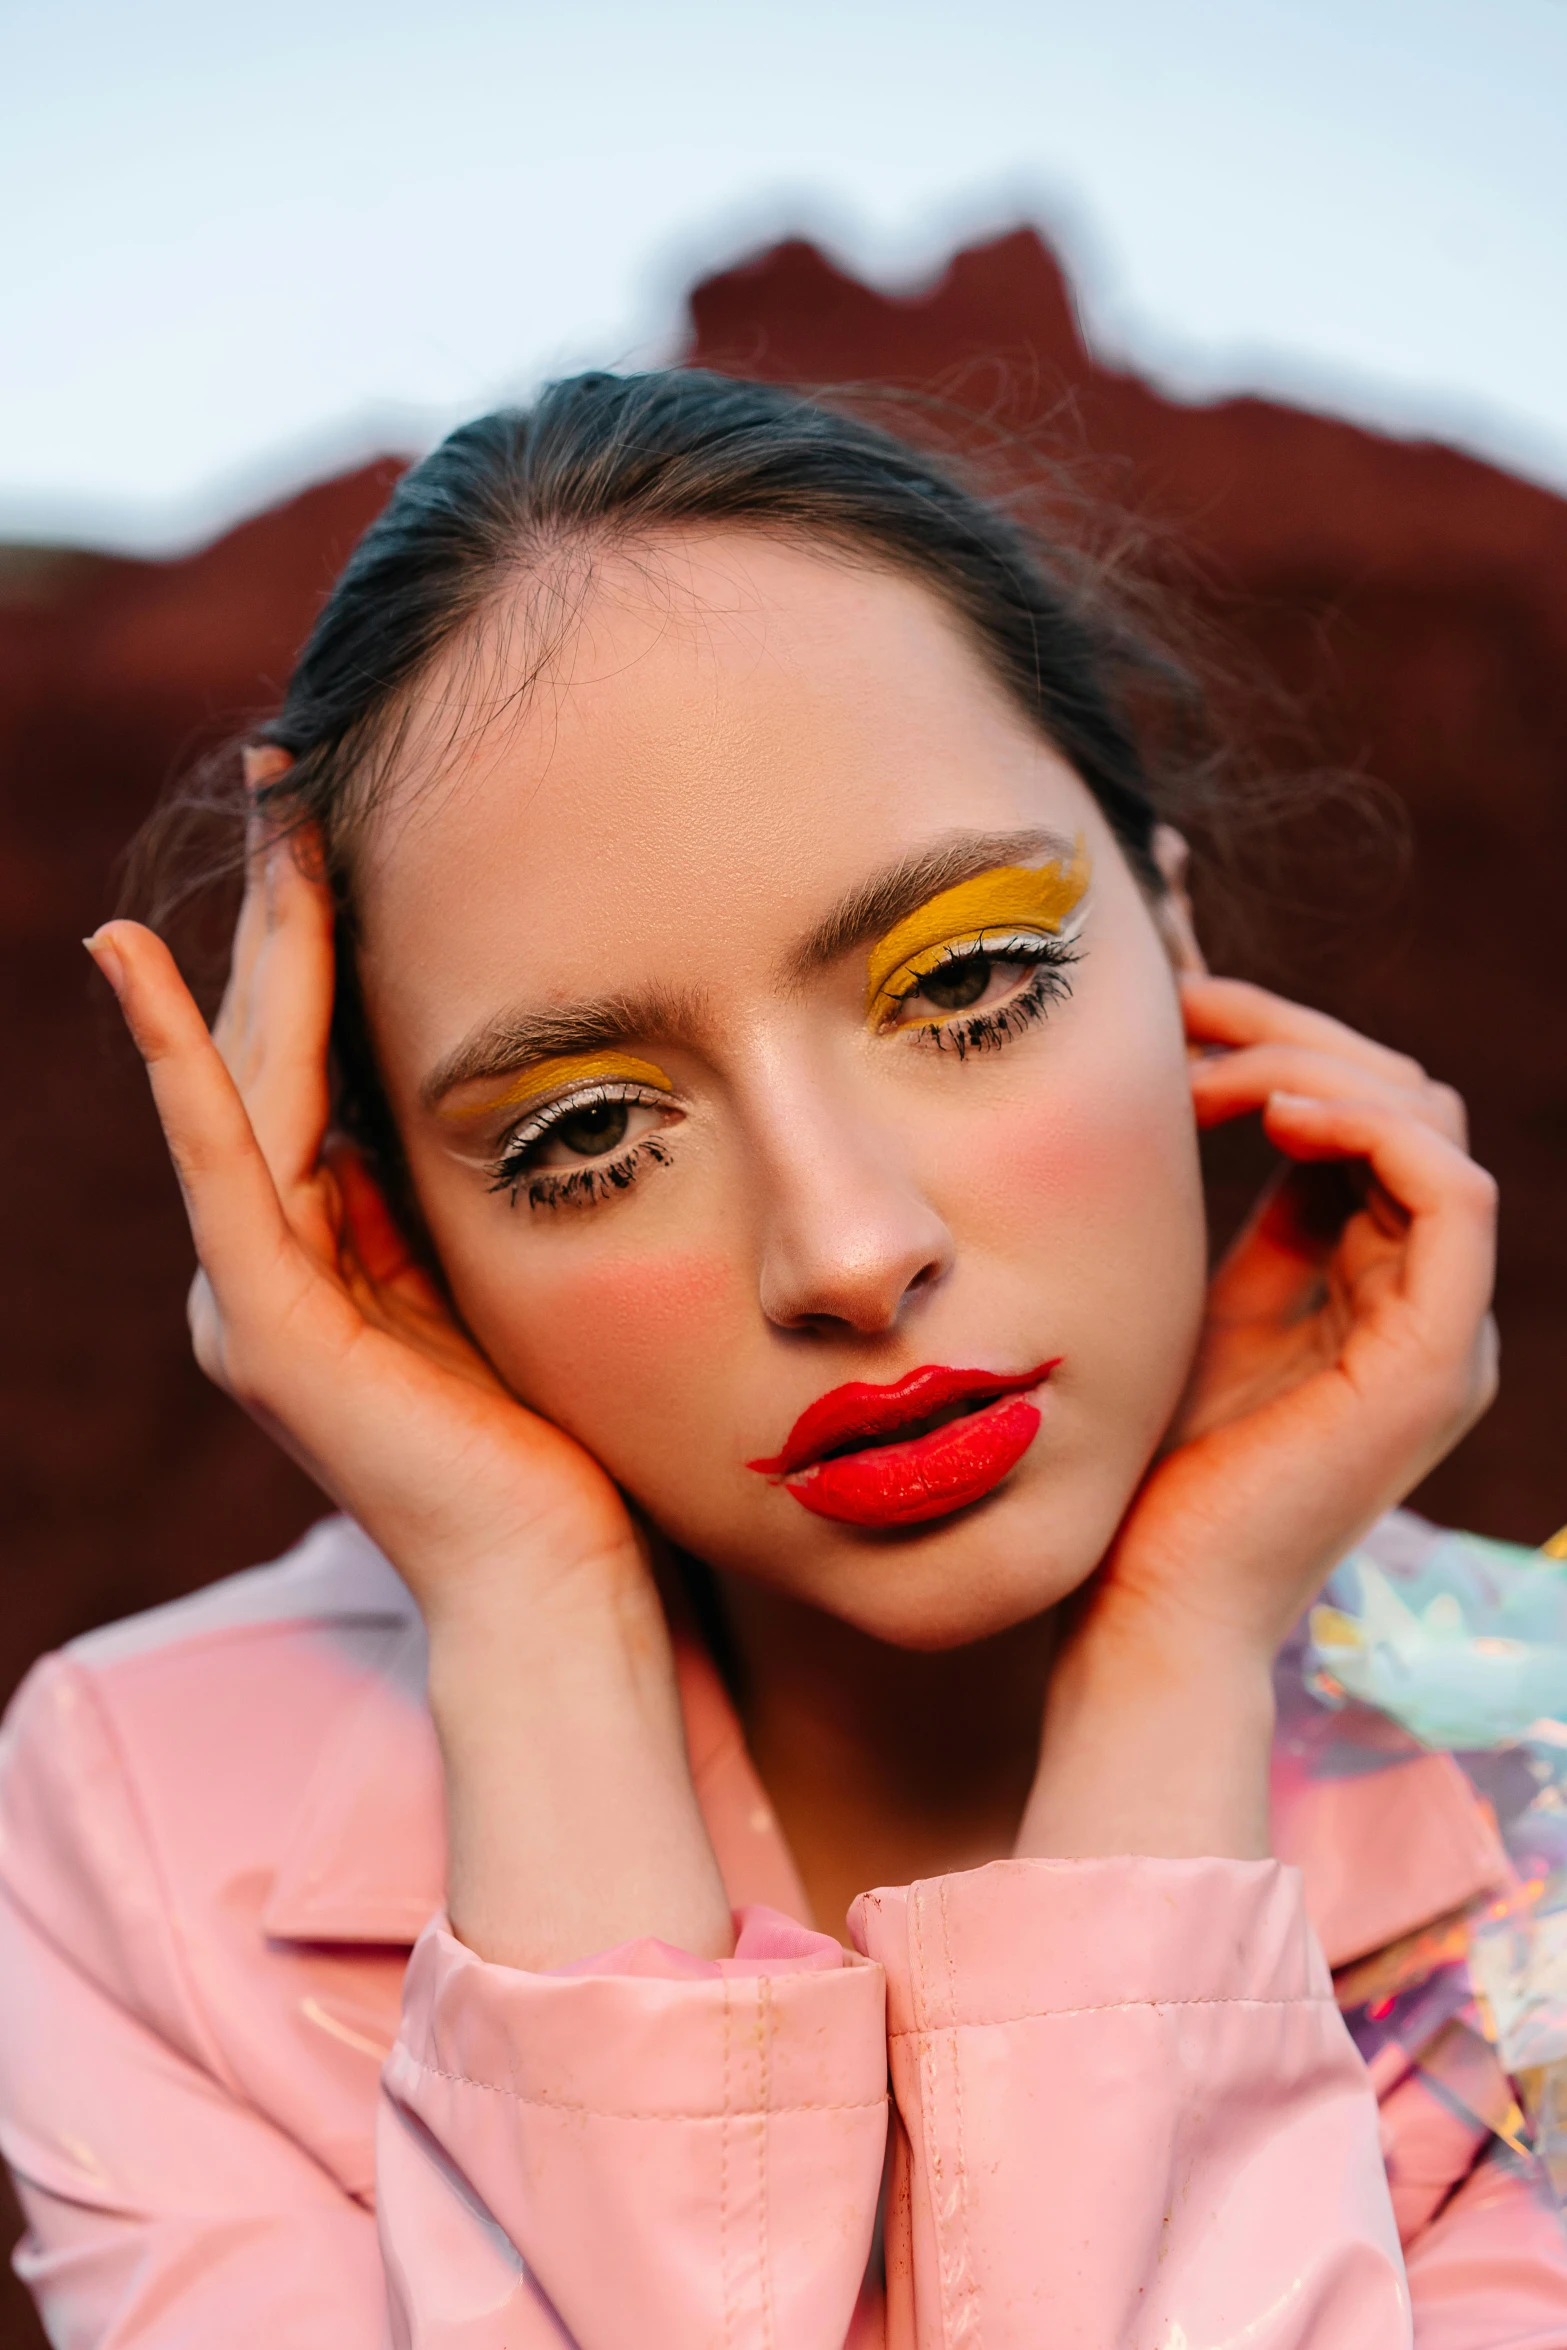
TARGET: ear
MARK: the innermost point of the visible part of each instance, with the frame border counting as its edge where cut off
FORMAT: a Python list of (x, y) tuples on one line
[(1173, 912)]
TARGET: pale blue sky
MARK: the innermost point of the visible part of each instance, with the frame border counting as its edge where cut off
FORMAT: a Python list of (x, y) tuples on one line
[(245, 243)]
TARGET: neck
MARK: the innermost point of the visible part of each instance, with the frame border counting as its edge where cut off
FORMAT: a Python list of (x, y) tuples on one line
[(884, 1764)]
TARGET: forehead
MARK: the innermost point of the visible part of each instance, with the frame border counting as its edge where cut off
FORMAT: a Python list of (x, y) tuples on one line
[(727, 730)]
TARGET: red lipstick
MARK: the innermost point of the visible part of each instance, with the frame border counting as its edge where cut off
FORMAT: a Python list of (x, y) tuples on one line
[(930, 1443)]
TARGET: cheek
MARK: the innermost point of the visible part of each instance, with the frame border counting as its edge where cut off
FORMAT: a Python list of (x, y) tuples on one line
[(1083, 1206), (590, 1341), (1072, 1168)]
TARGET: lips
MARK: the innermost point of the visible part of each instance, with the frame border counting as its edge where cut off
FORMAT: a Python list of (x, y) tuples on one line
[(930, 1443)]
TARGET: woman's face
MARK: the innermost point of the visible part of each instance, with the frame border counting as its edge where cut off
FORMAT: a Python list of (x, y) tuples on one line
[(714, 1106)]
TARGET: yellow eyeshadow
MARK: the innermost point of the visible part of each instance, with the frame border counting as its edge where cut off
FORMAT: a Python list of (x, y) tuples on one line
[(547, 1077), (1013, 897)]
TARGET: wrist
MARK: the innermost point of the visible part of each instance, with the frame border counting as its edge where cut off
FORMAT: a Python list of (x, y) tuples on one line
[(516, 1598), (1157, 1741), (595, 1657), (572, 1821), (1129, 1649)]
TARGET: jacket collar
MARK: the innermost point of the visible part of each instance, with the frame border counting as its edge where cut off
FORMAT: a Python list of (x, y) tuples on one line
[(1383, 1850)]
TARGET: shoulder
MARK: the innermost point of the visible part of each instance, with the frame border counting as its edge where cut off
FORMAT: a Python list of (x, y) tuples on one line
[(162, 1763), (1460, 1639), (333, 1575), (1398, 1666), (200, 1686), (1423, 1713), (269, 1636)]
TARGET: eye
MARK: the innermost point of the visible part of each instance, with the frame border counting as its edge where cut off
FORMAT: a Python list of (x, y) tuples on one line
[(964, 982), (591, 1130), (954, 986), (588, 1146), (572, 1132)]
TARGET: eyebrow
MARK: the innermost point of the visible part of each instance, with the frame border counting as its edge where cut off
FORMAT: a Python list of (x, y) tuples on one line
[(872, 908), (502, 1046)]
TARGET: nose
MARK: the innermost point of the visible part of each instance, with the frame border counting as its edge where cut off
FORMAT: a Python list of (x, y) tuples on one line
[(849, 1239)]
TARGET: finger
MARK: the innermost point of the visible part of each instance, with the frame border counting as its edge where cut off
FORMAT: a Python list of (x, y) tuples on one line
[(1227, 1085), (231, 1029), (384, 1273), (288, 1013), (236, 1219), (1306, 1219), (262, 765), (374, 1233), (378, 1241), (1276, 1259), (1449, 1251), (1234, 1012)]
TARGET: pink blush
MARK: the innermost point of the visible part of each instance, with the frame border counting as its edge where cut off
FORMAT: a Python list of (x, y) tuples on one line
[(1048, 1152), (642, 1310)]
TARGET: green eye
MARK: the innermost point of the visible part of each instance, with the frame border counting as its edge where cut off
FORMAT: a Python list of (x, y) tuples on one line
[(981, 991), (595, 1128), (585, 1148), (953, 986)]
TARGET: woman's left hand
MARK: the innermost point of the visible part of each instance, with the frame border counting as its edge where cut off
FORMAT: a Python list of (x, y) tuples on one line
[(1348, 1345), (1348, 1342)]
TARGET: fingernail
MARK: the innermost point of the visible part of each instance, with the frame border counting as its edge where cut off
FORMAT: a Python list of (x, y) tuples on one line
[(262, 763), (1293, 1101), (106, 955)]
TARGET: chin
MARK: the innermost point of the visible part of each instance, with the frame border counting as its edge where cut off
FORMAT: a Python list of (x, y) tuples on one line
[(955, 1580)]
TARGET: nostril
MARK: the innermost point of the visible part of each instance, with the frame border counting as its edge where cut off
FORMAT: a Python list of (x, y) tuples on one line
[(847, 1258)]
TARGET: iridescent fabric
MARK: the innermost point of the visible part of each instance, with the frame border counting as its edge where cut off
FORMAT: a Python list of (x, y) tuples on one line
[(1432, 1640)]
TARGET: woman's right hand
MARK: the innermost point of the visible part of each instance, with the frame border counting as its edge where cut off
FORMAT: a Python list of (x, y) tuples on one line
[(550, 1658), (307, 1307)]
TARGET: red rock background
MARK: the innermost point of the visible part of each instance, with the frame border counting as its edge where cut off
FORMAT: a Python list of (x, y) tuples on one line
[(1417, 597)]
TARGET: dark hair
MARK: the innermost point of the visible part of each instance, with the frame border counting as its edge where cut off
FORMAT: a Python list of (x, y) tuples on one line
[(605, 459), (524, 498)]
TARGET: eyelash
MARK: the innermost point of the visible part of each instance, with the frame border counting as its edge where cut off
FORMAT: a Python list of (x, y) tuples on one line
[(549, 1187), (960, 1033), (988, 1031)]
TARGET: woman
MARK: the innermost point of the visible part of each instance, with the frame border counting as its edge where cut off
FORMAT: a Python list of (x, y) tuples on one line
[(698, 1158)]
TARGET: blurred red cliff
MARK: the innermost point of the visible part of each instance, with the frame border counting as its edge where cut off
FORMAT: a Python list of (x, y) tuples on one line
[(1423, 593)]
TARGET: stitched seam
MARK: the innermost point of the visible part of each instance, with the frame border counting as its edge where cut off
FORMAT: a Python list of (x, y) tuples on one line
[(725, 2278), (765, 2022), (928, 2089), (1050, 2015), (968, 2282), (610, 2113)]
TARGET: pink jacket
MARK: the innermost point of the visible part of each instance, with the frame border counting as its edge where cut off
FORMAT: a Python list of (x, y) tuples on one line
[(1124, 2110)]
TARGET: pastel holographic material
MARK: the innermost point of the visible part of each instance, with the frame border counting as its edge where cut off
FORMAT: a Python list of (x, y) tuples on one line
[(991, 908), (547, 1077), (1462, 1643), (1544, 2093), (1467, 1649)]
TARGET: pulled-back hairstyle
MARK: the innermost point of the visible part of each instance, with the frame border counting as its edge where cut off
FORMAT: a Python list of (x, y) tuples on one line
[(599, 462), (605, 460)]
